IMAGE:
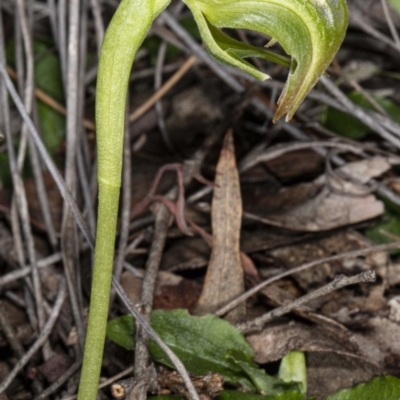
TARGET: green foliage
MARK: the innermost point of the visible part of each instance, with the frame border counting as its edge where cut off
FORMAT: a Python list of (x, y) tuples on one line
[(293, 369), (49, 79), (351, 127), (203, 344), (380, 388), (48, 75)]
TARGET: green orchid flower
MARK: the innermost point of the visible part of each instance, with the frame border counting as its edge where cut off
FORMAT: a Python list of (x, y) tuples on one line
[(310, 31)]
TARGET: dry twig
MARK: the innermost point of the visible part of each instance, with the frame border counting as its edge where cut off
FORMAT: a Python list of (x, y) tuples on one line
[(339, 282)]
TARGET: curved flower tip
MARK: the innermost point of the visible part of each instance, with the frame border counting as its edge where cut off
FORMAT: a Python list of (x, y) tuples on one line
[(310, 31)]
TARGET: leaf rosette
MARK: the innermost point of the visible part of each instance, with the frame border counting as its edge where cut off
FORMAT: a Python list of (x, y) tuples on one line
[(310, 31)]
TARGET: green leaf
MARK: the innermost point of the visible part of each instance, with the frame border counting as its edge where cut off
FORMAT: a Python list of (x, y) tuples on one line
[(52, 127), (48, 78), (309, 31), (293, 369), (380, 388), (348, 126), (264, 383), (202, 343), (235, 395), (121, 330)]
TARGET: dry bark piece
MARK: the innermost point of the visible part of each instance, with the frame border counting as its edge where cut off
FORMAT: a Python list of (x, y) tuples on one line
[(208, 386), (224, 279)]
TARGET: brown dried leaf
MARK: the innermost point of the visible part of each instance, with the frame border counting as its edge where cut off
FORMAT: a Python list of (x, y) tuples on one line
[(273, 342), (329, 372), (224, 279), (333, 358), (328, 202), (296, 165)]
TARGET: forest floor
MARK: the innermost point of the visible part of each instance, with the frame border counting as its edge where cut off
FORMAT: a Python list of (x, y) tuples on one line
[(280, 209)]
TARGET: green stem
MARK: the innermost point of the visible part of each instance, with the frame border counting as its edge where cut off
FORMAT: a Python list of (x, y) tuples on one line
[(124, 36), (101, 285)]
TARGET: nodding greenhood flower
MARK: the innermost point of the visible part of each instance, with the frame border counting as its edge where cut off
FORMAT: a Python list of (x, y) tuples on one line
[(310, 31)]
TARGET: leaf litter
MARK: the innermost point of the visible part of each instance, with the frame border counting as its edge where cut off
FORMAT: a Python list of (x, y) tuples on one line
[(298, 208)]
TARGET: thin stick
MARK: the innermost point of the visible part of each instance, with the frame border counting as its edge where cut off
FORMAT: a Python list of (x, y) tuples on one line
[(339, 282), (163, 218), (69, 241), (44, 334), (303, 267), (164, 89), (20, 273), (146, 326), (162, 51)]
